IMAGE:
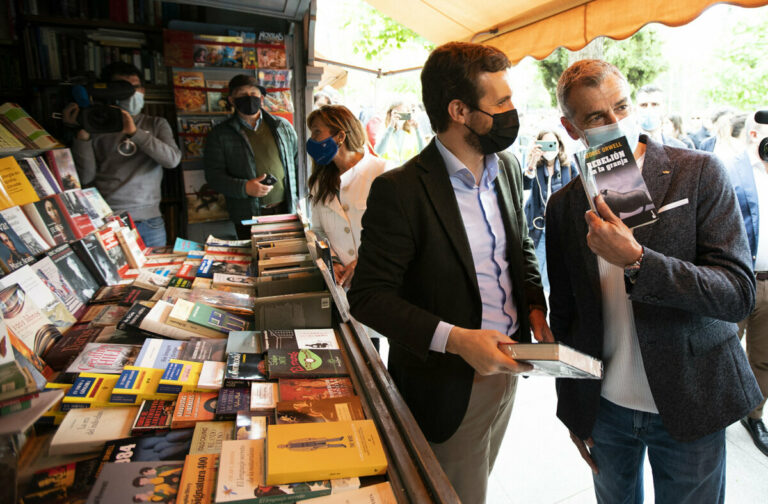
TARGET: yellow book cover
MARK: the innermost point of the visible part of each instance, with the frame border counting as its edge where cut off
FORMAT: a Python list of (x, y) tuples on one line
[(16, 184), (90, 390), (180, 376), (241, 470), (54, 415), (319, 451), (197, 484), (208, 436), (136, 384)]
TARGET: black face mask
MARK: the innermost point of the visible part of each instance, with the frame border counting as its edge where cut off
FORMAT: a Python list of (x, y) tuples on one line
[(502, 134), (248, 105)]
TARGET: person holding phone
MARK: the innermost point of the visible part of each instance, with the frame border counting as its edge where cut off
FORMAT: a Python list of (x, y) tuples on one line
[(251, 157), (401, 139), (548, 171), (342, 173)]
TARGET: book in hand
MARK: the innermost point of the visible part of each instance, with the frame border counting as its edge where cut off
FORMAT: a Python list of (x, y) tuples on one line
[(610, 170), (554, 359), (318, 451)]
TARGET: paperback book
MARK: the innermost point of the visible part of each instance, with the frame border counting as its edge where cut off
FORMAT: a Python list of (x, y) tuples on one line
[(555, 359)]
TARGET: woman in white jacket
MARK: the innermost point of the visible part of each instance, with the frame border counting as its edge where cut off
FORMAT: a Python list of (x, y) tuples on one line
[(342, 173)]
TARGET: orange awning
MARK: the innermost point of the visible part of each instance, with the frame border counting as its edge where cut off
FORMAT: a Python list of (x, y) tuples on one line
[(535, 28)]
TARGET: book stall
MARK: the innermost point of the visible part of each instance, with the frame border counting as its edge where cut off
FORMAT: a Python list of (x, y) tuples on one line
[(223, 371)]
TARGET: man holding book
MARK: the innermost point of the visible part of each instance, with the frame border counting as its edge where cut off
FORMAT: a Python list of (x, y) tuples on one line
[(658, 305), (127, 167), (446, 270)]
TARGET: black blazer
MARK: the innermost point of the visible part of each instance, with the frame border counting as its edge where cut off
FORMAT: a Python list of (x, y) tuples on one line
[(695, 282), (415, 269)]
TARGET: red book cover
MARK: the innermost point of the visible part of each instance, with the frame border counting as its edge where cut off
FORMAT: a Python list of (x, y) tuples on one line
[(154, 414), (75, 213), (61, 163), (296, 389), (114, 251)]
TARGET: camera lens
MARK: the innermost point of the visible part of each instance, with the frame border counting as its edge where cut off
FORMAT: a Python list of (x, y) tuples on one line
[(762, 149)]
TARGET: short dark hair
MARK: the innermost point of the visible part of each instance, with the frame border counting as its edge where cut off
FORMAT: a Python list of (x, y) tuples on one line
[(109, 72), (586, 72), (242, 80), (450, 73), (649, 89)]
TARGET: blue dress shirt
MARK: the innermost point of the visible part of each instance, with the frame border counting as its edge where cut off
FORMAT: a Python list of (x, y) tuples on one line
[(481, 215)]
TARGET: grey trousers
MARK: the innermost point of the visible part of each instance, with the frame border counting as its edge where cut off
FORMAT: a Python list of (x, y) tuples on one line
[(467, 457)]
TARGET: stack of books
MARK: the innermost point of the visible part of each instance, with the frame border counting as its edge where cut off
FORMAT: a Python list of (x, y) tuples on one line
[(197, 373)]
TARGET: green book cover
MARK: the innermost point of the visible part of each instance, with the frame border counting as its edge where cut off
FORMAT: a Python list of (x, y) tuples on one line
[(218, 320)]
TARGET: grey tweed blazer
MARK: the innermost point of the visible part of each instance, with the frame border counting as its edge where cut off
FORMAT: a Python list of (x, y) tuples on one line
[(694, 284)]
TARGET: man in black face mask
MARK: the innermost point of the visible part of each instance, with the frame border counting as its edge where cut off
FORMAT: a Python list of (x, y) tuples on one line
[(446, 269), (249, 150)]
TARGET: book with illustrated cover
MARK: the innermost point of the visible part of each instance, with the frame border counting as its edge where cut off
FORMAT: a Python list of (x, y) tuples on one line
[(208, 436), (111, 246), (92, 211), (128, 239), (155, 446), (17, 186), (278, 102), (32, 170), (109, 315), (195, 126), (203, 203), (34, 288), (15, 218), (244, 368), (188, 91), (97, 202), (253, 424), (62, 165), (239, 303), (218, 51), (13, 251), (192, 146), (85, 430), (154, 415), (123, 295), (104, 358), (198, 480), (232, 400), (48, 216), (96, 260), (296, 339), (74, 272), (26, 321), (57, 484), (296, 389), (271, 56), (335, 409), (143, 320), (217, 100), (274, 79), (193, 407), (249, 48), (71, 344), (305, 363), (158, 481), (76, 212), (610, 170), (328, 450), (47, 271), (554, 359)]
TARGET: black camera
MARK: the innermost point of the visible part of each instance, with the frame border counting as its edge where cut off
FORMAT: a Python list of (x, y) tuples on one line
[(99, 112), (761, 117)]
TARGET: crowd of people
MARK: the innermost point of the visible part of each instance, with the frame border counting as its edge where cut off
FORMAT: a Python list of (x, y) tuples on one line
[(446, 258)]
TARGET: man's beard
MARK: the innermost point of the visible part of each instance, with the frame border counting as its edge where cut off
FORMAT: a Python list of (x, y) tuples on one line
[(473, 141)]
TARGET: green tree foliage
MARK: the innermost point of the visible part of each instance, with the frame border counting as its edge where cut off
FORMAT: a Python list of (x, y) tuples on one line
[(378, 35), (640, 59), (740, 79)]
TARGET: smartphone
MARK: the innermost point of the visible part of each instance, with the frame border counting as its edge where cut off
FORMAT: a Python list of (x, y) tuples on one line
[(269, 179), (547, 145), (404, 116)]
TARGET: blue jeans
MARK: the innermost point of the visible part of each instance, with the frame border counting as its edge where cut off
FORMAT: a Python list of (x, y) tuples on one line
[(152, 231), (541, 257), (683, 473)]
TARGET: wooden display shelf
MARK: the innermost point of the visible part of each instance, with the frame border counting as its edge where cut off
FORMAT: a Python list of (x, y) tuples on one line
[(89, 23)]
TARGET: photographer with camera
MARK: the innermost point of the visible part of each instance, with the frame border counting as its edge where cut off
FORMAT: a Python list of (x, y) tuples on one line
[(749, 174), (401, 139), (127, 166)]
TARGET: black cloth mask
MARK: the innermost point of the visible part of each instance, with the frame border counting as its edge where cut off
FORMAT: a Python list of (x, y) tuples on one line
[(248, 105), (502, 134)]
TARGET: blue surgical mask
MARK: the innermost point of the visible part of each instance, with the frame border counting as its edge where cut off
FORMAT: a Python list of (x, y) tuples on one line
[(134, 104), (322, 151), (650, 120), (626, 127)]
